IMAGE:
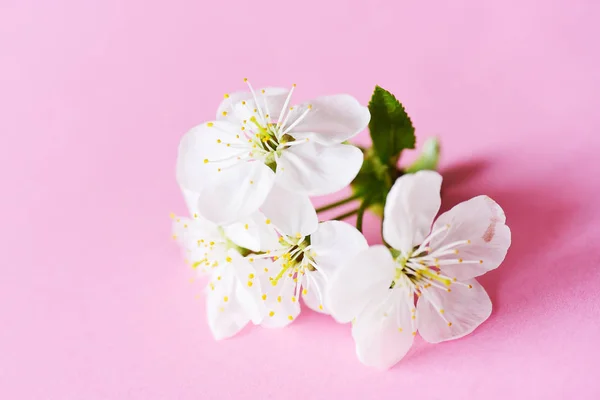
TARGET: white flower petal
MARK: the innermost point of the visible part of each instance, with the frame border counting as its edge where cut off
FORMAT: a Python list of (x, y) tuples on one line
[(366, 277), (334, 243), (203, 150), (410, 208), (230, 100), (248, 290), (240, 106), (239, 192), (281, 300), (244, 233), (464, 309), (225, 313), (317, 170), (265, 267), (290, 212), (330, 120), (253, 233), (191, 200), (384, 331), (189, 230), (482, 221), (314, 286)]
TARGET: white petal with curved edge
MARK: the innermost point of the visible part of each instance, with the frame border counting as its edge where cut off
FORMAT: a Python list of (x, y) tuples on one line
[(464, 310), (281, 300), (240, 106), (244, 233), (228, 102), (191, 200), (410, 208), (225, 313), (482, 221), (314, 286), (255, 233), (330, 119), (239, 192), (290, 212), (208, 142), (366, 277), (334, 243), (383, 332), (316, 170)]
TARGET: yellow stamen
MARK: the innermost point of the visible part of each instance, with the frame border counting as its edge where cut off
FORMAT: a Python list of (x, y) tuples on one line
[(434, 276)]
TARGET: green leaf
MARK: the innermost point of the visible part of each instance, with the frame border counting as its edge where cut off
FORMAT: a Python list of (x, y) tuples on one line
[(429, 157), (391, 128), (373, 182)]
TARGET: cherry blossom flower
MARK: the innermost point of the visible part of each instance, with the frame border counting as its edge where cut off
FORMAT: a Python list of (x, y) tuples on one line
[(261, 149), (232, 294), (437, 263)]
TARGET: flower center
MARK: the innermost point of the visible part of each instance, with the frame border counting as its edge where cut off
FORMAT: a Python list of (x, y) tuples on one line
[(420, 269), (268, 141), (262, 137), (214, 249), (297, 258)]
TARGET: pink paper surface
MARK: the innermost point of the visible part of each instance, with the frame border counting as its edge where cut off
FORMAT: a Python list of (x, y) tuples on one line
[(95, 302)]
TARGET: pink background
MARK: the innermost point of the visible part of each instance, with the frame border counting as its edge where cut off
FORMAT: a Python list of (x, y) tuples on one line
[(95, 302)]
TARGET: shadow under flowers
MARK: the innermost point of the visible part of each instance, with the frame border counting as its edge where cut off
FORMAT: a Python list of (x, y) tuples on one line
[(536, 213)]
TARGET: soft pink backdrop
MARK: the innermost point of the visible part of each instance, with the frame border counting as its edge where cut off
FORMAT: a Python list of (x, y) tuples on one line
[(95, 302)]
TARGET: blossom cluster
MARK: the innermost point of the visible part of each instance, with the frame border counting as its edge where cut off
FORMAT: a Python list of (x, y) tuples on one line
[(247, 178)]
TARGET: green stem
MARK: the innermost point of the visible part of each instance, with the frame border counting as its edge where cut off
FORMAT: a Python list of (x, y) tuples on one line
[(345, 215), (339, 203), (361, 214)]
